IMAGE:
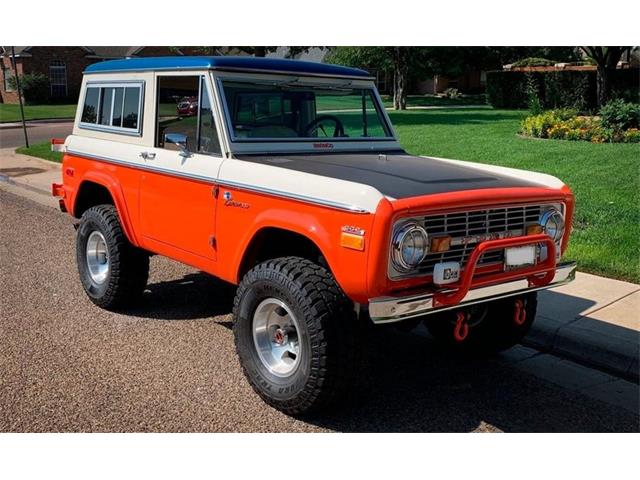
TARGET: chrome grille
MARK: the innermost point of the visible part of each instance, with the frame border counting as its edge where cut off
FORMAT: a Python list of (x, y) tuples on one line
[(476, 222)]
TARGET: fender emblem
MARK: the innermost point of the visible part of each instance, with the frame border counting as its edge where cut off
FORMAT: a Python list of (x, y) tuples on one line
[(229, 202), (233, 203), (353, 230)]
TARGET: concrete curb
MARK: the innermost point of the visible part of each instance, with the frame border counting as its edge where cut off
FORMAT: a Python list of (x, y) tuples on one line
[(605, 336), (44, 121)]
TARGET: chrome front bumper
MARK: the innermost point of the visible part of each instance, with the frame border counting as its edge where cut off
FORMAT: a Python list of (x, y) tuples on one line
[(394, 309)]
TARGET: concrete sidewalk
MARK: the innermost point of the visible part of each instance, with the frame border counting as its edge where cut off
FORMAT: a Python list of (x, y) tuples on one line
[(593, 320), (30, 173)]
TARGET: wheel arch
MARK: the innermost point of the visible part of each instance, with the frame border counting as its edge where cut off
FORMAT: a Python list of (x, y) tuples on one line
[(269, 242), (96, 189)]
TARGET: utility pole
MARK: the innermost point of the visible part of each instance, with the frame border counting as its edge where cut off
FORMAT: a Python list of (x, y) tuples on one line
[(15, 72)]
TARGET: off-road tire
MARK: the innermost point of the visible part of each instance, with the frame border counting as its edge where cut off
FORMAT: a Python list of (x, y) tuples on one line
[(128, 265), (328, 325), (496, 332)]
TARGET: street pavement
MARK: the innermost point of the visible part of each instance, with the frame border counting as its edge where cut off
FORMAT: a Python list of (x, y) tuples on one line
[(169, 363), (37, 132)]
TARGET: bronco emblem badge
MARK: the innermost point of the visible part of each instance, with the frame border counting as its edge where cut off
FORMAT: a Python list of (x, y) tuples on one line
[(228, 202)]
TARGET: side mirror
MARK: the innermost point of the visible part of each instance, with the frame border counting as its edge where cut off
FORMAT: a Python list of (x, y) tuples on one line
[(180, 141)]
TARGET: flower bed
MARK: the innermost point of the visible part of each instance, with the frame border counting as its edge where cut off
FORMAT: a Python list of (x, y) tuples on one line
[(616, 123)]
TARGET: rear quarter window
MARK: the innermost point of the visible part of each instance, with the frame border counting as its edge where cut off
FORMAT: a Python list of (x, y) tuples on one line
[(113, 107)]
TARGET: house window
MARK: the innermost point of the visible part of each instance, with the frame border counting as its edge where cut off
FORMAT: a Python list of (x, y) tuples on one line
[(7, 73), (113, 107), (58, 79)]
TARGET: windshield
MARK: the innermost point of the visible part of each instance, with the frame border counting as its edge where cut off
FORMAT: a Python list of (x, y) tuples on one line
[(293, 111)]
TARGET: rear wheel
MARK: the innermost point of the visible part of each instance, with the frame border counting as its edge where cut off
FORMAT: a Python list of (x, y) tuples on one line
[(490, 327), (295, 335), (113, 272)]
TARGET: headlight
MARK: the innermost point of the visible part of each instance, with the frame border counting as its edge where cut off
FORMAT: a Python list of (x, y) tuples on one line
[(552, 223), (410, 246)]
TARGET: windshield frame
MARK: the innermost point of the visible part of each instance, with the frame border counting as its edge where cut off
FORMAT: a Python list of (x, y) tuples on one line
[(252, 145)]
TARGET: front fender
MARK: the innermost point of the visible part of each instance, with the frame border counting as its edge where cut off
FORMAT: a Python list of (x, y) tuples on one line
[(237, 227)]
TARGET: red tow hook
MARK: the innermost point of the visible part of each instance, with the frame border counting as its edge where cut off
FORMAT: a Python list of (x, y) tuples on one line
[(520, 313), (461, 330)]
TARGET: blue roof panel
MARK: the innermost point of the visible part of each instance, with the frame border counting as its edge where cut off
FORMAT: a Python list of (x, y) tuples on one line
[(278, 65)]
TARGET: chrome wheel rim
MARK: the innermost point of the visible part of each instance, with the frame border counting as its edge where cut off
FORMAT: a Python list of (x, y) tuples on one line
[(276, 337), (97, 257)]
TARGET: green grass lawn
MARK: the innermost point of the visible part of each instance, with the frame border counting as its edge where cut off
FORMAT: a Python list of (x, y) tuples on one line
[(11, 113), (41, 150), (604, 177)]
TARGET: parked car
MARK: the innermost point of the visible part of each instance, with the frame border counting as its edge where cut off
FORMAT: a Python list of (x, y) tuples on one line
[(290, 183), (187, 106)]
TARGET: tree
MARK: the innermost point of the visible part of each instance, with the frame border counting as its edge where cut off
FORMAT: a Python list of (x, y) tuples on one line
[(254, 51), (416, 63), (401, 61), (499, 56), (606, 59)]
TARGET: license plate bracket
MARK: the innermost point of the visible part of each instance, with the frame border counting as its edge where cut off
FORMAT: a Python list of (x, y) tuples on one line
[(516, 257)]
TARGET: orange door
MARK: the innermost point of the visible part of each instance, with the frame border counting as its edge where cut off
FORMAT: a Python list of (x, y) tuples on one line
[(179, 212), (177, 203)]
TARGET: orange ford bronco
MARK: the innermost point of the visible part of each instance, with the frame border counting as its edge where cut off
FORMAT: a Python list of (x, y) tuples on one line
[(286, 179)]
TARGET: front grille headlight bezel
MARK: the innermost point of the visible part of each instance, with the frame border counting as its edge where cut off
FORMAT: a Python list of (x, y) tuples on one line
[(409, 247), (553, 223)]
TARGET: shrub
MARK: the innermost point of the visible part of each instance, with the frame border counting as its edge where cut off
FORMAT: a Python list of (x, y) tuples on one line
[(559, 88), (452, 93), (563, 124), (559, 131), (631, 136), (539, 125), (35, 87), (620, 115), (533, 62)]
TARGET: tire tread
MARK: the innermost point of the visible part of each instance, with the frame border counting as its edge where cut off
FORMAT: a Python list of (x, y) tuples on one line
[(332, 326)]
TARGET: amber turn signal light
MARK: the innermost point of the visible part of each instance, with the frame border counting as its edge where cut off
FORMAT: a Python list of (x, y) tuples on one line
[(440, 244), (534, 229), (350, 240)]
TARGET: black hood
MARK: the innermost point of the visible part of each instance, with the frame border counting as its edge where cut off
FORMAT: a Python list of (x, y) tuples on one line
[(396, 175)]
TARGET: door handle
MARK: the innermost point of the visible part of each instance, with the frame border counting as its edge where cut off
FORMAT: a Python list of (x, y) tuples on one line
[(148, 155)]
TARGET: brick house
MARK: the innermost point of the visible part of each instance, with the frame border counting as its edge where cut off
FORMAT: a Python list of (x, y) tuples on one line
[(63, 66)]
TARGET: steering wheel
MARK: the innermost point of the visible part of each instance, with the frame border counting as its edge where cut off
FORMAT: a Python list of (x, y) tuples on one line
[(316, 124)]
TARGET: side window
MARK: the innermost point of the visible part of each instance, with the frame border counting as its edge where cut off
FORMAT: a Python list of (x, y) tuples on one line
[(112, 107), (185, 115), (90, 109)]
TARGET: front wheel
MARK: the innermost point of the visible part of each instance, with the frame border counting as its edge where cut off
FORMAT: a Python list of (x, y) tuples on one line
[(490, 327), (295, 335)]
